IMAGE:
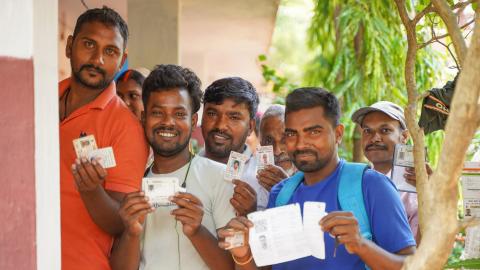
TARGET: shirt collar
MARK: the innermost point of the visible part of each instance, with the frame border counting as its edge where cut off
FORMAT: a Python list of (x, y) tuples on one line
[(98, 103)]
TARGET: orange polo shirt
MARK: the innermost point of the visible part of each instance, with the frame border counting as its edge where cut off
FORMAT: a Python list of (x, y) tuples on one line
[(84, 244)]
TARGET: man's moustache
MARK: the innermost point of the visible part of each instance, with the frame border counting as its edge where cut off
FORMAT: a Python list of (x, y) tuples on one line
[(281, 158), (97, 69), (300, 152), (219, 132), (375, 147)]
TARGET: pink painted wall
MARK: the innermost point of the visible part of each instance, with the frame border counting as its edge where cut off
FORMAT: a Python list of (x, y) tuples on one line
[(17, 167)]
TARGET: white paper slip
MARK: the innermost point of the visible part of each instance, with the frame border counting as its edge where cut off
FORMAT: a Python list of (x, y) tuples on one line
[(313, 212), (84, 145), (159, 189), (105, 156), (264, 156), (402, 159), (235, 166), (277, 235)]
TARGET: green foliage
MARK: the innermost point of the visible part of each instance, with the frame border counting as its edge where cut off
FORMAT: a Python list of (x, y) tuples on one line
[(465, 264), (281, 85), (360, 49)]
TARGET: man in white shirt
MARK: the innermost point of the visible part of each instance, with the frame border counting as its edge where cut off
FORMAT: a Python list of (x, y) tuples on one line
[(230, 105), (182, 236)]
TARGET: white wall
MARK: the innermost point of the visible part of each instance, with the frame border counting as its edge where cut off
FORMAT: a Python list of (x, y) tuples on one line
[(47, 157), (16, 26)]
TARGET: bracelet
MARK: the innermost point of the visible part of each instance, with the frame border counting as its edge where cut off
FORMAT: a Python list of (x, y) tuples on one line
[(245, 262)]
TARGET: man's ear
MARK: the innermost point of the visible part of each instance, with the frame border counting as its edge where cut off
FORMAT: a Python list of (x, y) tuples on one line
[(194, 121), (68, 48), (124, 58), (143, 118), (251, 126), (404, 136), (339, 129)]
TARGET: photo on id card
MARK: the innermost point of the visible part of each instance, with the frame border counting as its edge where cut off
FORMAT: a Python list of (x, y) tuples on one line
[(264, 156), (235, 166)]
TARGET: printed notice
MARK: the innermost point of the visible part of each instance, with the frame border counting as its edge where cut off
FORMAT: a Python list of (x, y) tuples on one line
[(277, 235), (471, 189), (472, 243)]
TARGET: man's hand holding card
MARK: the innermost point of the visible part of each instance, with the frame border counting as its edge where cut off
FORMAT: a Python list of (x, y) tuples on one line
[(88, 175), (89, 167)]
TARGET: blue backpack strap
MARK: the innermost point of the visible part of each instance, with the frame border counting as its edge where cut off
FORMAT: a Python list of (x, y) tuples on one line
[(350, 195), (288, 189)]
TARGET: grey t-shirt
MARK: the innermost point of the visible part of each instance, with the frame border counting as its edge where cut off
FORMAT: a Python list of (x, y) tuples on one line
[(164, 246)]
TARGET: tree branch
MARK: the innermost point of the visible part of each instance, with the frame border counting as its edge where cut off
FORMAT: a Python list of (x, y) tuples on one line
[(468, 222), (461, 5), (436, 38), (449, 18), (422, 13), (402, 11)]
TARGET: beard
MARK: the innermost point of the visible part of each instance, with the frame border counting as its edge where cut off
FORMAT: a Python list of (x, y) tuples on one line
[(101, 84), (223, 151), (309, 165), (167, 149)]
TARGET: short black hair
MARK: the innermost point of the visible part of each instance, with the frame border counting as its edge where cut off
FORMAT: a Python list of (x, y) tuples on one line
[(236, 88), (310, 97), (106, 16), (167, 77), (131, 74)]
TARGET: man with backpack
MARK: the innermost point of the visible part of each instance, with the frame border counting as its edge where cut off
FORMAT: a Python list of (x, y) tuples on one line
[(373, 233)]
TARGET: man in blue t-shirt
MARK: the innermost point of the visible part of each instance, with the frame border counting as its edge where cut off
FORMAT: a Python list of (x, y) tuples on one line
[(312, 136)]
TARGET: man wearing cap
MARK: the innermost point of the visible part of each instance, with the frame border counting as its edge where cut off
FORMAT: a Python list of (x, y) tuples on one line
[(383, 126)]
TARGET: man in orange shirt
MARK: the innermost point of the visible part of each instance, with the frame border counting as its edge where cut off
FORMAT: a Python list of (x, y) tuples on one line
[(90, 194)]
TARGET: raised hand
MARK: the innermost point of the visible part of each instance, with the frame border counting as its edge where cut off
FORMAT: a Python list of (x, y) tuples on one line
[(411, 177), (133, 210), (271, 175), (244, 198), (88, 175), (344, 227), (239, 224), (189, 212)]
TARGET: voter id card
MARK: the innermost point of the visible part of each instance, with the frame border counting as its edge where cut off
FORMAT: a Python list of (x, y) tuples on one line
[(84, 145), (104, 156), (235, 166), (236, 240), (160, 189), (264, 156)]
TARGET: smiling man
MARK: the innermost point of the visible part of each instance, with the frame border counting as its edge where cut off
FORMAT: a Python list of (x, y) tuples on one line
[(182, 236), (313, 133), (383, 126), (90, 195), (230, 105)]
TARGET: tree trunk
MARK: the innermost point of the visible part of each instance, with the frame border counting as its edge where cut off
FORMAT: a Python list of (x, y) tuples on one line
[(357, 145), (439, 202)]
